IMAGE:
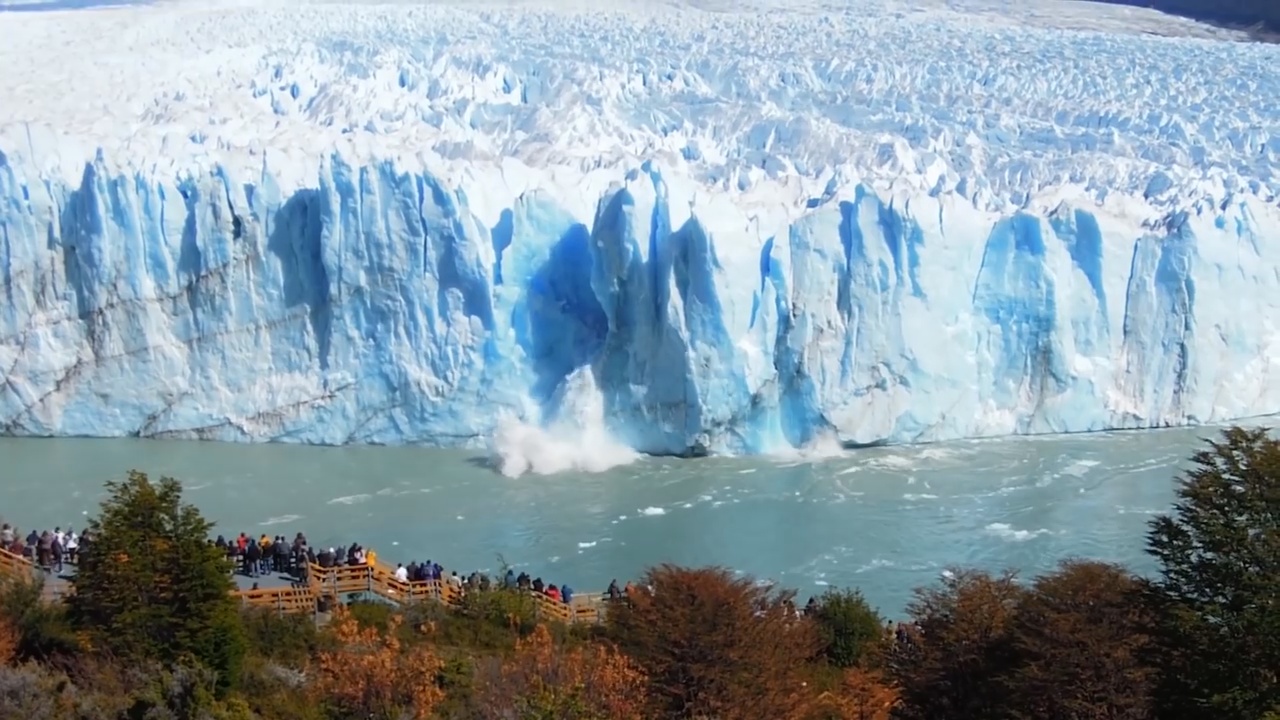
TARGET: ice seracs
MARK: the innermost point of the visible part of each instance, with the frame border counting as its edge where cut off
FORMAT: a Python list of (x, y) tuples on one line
[(709, 230)]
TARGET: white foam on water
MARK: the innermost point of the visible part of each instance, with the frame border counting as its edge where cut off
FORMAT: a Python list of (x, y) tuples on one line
[(1004, 531), (875, 564), (584, 545), (892, 462), (939, 453), (1079, 468), (652, 511), (920, 496), (575, 439), (279, 520), (350, 499)]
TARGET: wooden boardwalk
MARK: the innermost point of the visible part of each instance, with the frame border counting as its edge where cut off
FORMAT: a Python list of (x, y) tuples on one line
[(333, 584)]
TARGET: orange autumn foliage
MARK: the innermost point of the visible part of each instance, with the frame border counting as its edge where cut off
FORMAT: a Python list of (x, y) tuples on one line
[(370, 675), (9, 639), (862, 695), (541, 680)]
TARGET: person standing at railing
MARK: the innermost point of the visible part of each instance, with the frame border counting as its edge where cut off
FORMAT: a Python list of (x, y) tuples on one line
[(72, 546), (402, 574), (55, 553), (371, 558), (33, 541), (44, 550), (252, 559)]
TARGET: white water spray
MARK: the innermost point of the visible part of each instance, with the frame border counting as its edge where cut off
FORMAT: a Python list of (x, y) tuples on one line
[(575, 439)]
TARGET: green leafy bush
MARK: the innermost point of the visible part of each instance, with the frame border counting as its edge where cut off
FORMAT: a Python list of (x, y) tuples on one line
[(850, 628)]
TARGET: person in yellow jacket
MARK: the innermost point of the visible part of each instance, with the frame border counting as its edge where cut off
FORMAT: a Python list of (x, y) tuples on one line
[(371, 558)]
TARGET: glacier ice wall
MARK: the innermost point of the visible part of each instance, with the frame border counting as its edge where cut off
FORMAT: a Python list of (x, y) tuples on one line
[(376, 307)]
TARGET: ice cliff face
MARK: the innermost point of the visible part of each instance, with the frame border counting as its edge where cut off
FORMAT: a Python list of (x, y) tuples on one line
[(730, 252), (377, 308)]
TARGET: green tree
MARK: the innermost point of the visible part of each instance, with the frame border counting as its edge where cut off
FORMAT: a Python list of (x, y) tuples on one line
[(848, 625), (150, 586), (1218, 592)]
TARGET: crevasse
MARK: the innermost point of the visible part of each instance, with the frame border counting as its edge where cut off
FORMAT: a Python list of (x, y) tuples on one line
[(376, 307)]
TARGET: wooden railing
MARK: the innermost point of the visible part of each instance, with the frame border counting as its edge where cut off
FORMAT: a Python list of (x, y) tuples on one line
[(282, 600), (336, 582), (15, 565)]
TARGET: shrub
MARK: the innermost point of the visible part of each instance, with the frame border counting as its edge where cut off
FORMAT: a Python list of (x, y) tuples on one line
[(849, 627), (32, 691), (9, 641), (367, 675), (1080, 639), (715, 645), (276, 693), (544, 682), (372, 614), (485, 627), (43, 630), (286, 638), (511, 609), (861, 695), (960, 648)]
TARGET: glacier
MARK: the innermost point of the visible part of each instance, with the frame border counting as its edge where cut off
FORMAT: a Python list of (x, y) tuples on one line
[(712, 229)]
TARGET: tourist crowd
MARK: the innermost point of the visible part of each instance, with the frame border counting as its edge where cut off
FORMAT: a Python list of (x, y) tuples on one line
[(268, 555), (48, 550)]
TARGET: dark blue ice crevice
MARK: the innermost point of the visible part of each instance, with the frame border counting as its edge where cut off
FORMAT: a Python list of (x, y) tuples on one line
[(558, 321), (765, 268), (1159, 322), (1080, 233), (904, 238), (82, 224), (658, 260), (1017, 294), (295, 241), (501, 234)]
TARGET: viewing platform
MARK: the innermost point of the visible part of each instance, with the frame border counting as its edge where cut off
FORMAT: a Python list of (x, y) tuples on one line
[(326, 587)]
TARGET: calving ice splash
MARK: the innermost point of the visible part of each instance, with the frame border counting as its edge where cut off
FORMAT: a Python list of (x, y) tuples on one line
[(672, 231), (575, 437)]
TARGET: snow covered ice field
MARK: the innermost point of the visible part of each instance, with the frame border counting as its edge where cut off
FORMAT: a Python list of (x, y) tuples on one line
[(694, 226)]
